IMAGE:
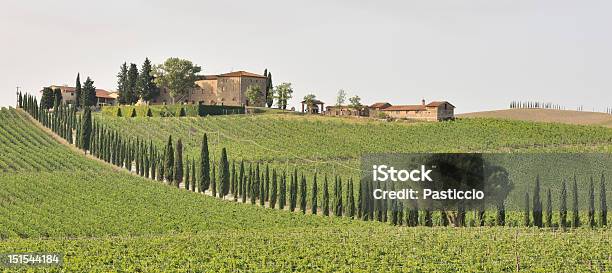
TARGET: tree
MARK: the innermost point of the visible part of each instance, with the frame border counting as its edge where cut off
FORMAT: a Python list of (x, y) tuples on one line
[(122, 84), (77, 91), (325, 204), (575, 213), (269, 91), (48, 96), (149, 113), (355, 102), (603, 206), (591, 204), (133, 114), (313, 202), (303, 194), (204, 178), (537, 204), (176, 75), (563, 206), (549, 210), (273, 189), (146, 82), (85, 131), (341, 97), (57, 97), (282, 192), (169, 161), (193, 176), (187, 175), (224, 174), (283, 93), (88, 96), (350, 199), (309, 101), (178, 163), (182, 112), (132, 84), (254, 95), (119, 114)]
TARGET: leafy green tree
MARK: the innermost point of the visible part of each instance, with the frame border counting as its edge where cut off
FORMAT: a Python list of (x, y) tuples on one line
[(537, 204), (355, 102), (283, 93), (224, 174), (146, 82), (563, 206), (204, 178), (169, 162), (309, 101), (178, 76), (178, 163), (603, 206), (254, 95), (48, 98), (77, 91), (88, 96), (341, 97)]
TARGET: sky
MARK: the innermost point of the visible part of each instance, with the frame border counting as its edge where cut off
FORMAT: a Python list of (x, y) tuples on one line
[(477, 54)]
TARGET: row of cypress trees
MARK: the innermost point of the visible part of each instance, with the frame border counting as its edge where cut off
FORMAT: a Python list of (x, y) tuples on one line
[(253, 182), (536, 217)]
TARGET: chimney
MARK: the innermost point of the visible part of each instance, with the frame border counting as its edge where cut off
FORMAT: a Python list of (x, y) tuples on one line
[(423, 102)]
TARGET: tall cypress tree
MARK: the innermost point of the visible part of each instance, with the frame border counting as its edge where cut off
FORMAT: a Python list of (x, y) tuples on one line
[(537, 204), (267, 183), (282, 192), (603, 206), (193, 177), (313, 201), (350, 199), (234, 183), (88, 94), (360, 201), (122, 85), (549, 211), (526, 218), (591, 204), (241, 187), (292, 194), (186, 181), (325, 204), (563, 206), (575, 213), (132, 84), (303, 195), (146, 86), (48, 96), (77, 91), (338, 194), (224, 174), (178, 163), (86, 130), (213, 181), (169, 162), (204, 178), (273, 189)]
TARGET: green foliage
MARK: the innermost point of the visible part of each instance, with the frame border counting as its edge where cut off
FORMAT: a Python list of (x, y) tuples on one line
[(77, 91), (178, 163), (169, 161), (46, 101), (176, 75), (204, 170), (147, 89), (88, 96), (283, 93), (355, 102), (133, 114), (224, 174), (255, 96)]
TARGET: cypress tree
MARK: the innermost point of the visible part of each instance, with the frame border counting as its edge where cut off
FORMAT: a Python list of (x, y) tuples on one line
[(591, 204), (252, 187), (153, 160), (603, 206), (257, 181), (282, 192), (213, 181), (187, 175), (47, 98), (132, 84), (182, 112), (234, 182), (350, 199), (537, 204), (267, 183), (86, 130), (325, 204), (575, 213), (563, 206), (315, 192), (303, 195), (133, 114), (526, 218), (193, 177), (339, 204), (429, 222), (169, 162), (360, 201), (146, 85), (241, 185), (204, 178), (224, 174), (273, 189), (88, 94), (149, 113), (549, 211), (119, 114)]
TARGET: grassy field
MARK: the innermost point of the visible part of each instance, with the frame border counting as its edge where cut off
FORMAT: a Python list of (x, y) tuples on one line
[(546, 115), (104, 219)]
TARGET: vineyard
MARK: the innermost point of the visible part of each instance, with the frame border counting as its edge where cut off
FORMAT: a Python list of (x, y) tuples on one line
[(118, 221)]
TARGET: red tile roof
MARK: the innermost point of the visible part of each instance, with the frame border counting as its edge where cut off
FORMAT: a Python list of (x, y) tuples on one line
[(438, 103), (100, 93), (380, 105), (241, 74)]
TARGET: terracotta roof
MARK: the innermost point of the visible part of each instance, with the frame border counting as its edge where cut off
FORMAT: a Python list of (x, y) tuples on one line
[(241, 74), (405, 108), (314, 101), (100, 93), (207, 77), (104, 94), (438, 103), (380, 105)]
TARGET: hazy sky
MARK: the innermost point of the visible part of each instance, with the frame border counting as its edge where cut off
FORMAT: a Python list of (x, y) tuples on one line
[(477, 54)]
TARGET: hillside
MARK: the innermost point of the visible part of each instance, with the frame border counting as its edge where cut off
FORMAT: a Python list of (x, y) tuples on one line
[(104, 219), (546, 115)]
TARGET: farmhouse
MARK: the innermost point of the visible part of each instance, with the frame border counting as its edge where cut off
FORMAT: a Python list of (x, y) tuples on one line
[(362, 111), (103, 97), (433, 111), (223, 89)]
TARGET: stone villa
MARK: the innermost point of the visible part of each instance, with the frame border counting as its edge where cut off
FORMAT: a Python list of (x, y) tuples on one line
[(224, 89), (103, 97)]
